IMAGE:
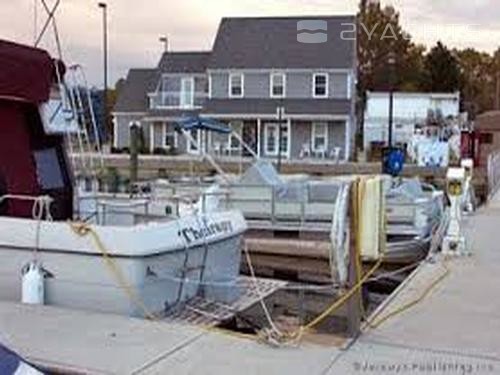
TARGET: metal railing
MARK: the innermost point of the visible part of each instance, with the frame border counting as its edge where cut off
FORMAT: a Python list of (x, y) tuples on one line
[(177, 99)]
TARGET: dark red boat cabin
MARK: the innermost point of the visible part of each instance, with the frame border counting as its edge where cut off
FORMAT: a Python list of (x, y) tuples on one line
[(32, 162)]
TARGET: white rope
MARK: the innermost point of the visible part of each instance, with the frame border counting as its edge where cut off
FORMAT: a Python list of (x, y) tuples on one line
[(257, 289), (39, 211)]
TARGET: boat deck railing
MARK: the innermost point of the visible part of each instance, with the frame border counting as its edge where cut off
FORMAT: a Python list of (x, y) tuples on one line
[(265, 205)]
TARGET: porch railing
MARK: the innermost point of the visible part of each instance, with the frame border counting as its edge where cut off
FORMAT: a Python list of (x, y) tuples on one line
[(177, 99)]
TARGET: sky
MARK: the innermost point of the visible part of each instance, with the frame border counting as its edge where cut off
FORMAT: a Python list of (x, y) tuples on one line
[(135, 26)]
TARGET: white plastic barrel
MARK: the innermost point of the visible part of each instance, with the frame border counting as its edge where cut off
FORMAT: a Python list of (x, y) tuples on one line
[(33, 285)]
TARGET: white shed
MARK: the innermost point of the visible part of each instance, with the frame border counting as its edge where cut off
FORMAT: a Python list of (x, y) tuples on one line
[(409, 109)]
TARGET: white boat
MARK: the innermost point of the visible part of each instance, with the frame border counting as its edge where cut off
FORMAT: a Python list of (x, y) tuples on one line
[(135, 268)]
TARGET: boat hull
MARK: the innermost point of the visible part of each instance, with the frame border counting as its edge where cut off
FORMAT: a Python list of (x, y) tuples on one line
[(172, 262)]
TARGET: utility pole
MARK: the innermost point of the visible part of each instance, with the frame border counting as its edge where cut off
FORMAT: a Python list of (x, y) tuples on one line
[(104, 8)]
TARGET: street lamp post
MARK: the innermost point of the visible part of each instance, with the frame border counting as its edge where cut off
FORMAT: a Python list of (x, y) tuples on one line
[(104, 8), (394, 157), (391, 62), (164, 40)]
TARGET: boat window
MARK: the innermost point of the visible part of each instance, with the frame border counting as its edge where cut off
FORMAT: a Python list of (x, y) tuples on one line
[(48, 169)]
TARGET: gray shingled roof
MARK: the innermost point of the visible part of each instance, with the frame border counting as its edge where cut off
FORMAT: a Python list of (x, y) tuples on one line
[(265, 43), (267, 106), (133, 97), (184, 62)]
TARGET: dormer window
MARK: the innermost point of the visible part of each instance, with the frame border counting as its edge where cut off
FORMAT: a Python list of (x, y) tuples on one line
[(320, 85), (236, 85), (278, 82)]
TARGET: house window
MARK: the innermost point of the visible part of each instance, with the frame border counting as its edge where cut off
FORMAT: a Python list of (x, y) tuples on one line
[(278, 82), (319, 136), (236, 85), (169, 137), (320, 85), (271, 139), (187, 92)]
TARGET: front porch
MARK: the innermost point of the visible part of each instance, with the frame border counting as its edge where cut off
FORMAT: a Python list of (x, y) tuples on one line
[(322, 141)]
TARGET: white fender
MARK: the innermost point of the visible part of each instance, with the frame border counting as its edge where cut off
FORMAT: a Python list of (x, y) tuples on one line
[(33, 285)]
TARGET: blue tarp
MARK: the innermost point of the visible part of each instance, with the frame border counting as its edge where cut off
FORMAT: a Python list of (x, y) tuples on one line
[(202, 123)]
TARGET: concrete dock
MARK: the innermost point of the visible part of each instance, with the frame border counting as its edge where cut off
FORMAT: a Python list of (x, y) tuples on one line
[(455, 329)]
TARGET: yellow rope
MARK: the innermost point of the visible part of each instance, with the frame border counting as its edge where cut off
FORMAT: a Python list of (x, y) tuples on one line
[(83, 230), (410, 304), (296, 336)]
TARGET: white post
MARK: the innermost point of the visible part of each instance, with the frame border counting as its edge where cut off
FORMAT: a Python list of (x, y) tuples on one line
[(152, 137), (289, 141), (258, 137)]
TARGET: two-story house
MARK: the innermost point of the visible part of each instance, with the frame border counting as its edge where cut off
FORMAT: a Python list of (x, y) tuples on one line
[(256, 67), (155, 98)]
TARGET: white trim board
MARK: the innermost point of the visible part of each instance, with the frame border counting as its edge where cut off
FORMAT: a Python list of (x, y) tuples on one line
[(272, 116), (128, 113), (286, 70), (187, 74)]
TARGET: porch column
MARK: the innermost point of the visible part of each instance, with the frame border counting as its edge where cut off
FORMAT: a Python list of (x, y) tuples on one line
[(258, 137), (151, 137), (289, 146), (347, 147)]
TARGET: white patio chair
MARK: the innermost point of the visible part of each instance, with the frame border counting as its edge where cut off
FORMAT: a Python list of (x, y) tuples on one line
[(217, 148), (226, 149), (305, 151), (335, 154), (320, 152)]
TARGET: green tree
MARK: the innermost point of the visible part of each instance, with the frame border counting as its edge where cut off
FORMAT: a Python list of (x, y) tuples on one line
[(442, 70), (380, 35)]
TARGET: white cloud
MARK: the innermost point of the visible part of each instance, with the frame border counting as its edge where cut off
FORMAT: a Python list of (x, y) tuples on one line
[(134, 27)]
